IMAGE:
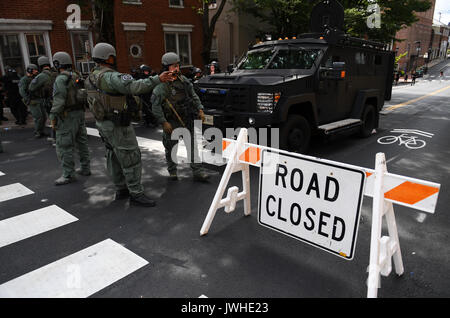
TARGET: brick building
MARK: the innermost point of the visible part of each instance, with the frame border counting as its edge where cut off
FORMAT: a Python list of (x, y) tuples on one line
[(143, 29), (417, 41)]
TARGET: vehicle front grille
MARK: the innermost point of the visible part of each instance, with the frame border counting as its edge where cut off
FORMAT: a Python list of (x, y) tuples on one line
[(237, 99)]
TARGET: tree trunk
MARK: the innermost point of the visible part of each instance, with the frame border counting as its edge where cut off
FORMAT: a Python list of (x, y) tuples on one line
[(208, 29)]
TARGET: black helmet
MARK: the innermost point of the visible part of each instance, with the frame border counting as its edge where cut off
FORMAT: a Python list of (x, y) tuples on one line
[(145, 68)]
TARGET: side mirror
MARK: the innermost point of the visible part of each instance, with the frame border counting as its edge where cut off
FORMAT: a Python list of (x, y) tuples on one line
[(230, 68), (337, 72)]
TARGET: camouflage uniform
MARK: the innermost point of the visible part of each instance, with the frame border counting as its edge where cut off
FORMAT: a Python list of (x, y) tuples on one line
[(181, 95), (38, 100), (107, 91), (70, 126)]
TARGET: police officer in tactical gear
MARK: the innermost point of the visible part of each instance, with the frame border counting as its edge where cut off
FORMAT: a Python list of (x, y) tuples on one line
[(176, 104), (67, 118), (145, 71), (34, 101), (213, 68), (42, 86), (107, 91), (13, 99)]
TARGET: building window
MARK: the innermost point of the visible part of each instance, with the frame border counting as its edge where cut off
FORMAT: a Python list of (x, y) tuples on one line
[(176, 4), (10, 53), (36, 47), (212, 4), (132, 2), (214, 55), (179, 43), (82, 48), (135, 51)]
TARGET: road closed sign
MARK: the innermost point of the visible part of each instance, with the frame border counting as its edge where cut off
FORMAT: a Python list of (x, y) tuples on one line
[(313, 201)]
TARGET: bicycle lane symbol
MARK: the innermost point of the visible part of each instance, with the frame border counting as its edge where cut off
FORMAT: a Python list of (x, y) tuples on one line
[(407, 137)]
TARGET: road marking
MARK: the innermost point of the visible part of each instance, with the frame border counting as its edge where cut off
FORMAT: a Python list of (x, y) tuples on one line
[(33, 223), (417, 99), (1, 174), (12, 191), (78, 275)]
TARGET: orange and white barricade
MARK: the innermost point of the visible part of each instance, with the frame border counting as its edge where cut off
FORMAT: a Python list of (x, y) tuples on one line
[(385, 189)]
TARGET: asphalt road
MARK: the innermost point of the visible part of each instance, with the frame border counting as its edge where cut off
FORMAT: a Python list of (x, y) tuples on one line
[(164, 255)]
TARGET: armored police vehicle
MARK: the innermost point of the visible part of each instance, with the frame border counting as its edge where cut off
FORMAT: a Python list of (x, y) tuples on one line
[(321, 82)]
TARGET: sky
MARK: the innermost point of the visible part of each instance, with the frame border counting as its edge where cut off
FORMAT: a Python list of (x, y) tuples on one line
[(444, 7)]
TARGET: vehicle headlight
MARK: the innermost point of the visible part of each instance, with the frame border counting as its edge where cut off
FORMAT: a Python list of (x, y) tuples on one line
[(266, 102)]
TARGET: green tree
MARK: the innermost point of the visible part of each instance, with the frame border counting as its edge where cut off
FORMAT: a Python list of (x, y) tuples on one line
[(395, 15), (291, 17), (287, 17)]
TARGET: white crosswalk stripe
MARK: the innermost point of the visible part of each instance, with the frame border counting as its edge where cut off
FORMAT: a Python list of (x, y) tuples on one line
[(33, 223), (78, 275), (13, 191), (1, 174)]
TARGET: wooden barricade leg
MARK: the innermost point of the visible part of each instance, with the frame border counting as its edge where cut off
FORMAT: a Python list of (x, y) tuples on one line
[(382, 249), (229, 202)]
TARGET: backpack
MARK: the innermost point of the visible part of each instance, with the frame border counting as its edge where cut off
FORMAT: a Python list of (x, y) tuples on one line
[(76, 94), (47, 89)]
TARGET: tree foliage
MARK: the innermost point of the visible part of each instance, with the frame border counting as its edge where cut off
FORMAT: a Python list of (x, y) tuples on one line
[(291, 17)]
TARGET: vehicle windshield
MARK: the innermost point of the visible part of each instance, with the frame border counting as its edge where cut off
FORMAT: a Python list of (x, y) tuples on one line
[(289, 58)]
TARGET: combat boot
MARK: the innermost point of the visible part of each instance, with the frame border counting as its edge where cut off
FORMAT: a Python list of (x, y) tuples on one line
[(173, 176), (65, 180), (142, 200), (122, 194), (201, 176)]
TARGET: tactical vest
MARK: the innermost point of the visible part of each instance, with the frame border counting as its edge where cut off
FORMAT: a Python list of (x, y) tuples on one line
[(47, 89), (76, 96), (178, 96), (101, 103)]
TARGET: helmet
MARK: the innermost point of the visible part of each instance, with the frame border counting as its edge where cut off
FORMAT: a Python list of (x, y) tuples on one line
[(170, 58), (31, 68), (145, 67), (43, 60), (61, 58), (102, 51)]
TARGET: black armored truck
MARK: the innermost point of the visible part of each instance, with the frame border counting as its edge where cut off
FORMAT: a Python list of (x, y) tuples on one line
[(321, 82)]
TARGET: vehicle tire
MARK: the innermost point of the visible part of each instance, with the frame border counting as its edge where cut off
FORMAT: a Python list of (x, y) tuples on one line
[(368, 121), (295, 134)]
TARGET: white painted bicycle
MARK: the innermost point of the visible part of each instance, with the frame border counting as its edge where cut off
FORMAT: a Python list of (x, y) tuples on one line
[(410, 141)]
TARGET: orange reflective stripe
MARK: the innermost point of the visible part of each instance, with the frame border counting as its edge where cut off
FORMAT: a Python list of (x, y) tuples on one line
[(410, 193), (251, 155), (225, 144)]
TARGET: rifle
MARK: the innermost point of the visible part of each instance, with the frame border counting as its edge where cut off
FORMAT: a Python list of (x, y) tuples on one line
[(175, 112)]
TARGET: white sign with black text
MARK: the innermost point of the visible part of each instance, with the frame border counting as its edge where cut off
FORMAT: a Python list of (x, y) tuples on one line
[(316, 202)]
